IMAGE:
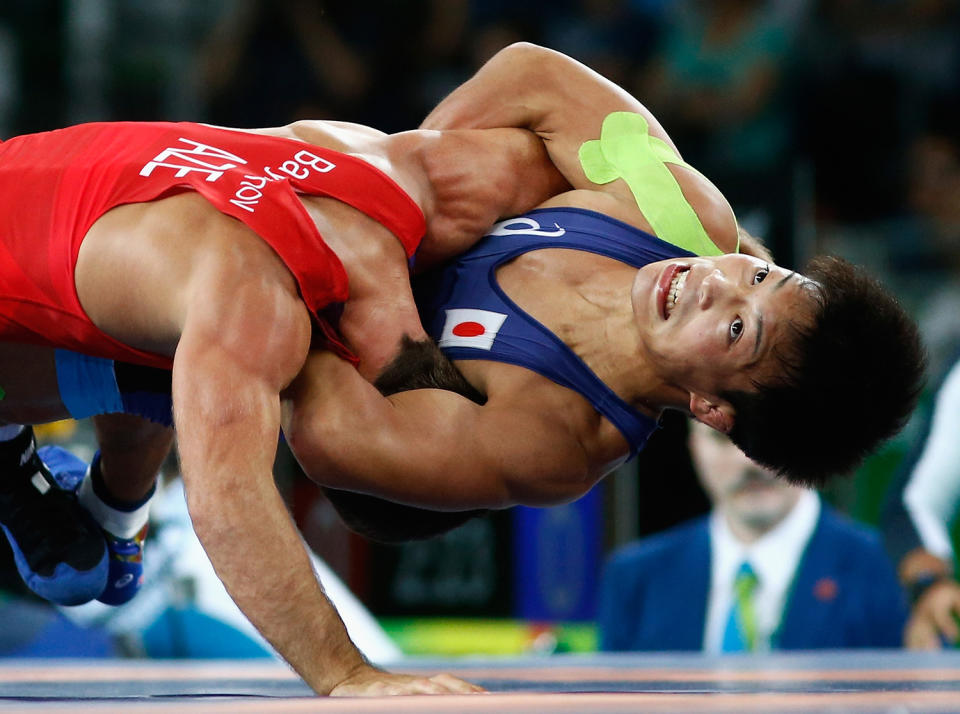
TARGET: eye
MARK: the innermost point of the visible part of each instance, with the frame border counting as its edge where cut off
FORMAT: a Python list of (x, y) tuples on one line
[(761, 275), (736, 329)]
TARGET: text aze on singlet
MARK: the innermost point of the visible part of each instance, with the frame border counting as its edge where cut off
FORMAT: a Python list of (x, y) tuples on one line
[(55, 185)]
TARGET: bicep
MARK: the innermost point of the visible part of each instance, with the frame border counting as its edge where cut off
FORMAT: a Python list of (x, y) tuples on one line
[(237, 350), (426, 447), (506, 453), (557, 97)]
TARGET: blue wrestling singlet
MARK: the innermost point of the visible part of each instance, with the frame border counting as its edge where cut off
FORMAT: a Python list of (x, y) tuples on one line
[(96, 385), (464, 309)]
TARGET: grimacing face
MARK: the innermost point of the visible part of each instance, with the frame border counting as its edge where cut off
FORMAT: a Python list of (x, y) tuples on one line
[(748, 494), (710, 324)]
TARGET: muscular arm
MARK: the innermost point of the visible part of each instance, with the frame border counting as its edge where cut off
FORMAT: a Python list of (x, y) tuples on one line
[(565, 102), (556, 97), (239, 348), (431, 448), (227, 376)]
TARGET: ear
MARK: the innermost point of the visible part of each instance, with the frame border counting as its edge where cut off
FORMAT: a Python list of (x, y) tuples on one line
[(715, 413)]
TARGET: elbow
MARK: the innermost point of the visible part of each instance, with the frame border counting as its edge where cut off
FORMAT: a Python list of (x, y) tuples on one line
[(306, 439), (545, 492), (530, 64)]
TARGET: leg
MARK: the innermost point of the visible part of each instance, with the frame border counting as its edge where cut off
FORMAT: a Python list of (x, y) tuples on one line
[(117, 492), (28, 377), (132, 450)]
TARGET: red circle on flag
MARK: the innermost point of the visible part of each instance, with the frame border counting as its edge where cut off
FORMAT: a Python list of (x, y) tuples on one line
[(469, 329)]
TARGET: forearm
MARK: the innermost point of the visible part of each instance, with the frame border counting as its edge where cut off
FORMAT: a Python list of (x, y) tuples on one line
[(405, 447), (338, 427), (227, 412), (561, 100), (259, 557)]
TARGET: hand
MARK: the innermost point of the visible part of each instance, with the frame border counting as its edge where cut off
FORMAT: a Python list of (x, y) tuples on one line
[(934, 617), (370, 682)]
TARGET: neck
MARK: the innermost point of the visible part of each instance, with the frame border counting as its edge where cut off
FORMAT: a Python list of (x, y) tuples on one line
[(746, 533), (604, 334), (601, 330)]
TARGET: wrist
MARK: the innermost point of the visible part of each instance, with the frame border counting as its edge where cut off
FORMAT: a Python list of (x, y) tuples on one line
[(920, 585)]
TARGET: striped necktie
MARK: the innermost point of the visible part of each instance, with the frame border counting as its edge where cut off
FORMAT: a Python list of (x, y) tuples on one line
[(740, 634)]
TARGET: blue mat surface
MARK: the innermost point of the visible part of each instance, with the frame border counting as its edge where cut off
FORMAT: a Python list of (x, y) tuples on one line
[(804, 682)]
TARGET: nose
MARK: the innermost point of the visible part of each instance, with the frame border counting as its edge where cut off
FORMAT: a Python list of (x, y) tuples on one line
[(713, 287)]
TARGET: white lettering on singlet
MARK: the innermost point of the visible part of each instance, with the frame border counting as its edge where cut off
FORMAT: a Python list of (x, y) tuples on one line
[(185, 160), (251, 188), (201, 157), (523, 226)]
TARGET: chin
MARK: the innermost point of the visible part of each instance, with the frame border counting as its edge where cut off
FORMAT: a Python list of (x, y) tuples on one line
[(763, 507)]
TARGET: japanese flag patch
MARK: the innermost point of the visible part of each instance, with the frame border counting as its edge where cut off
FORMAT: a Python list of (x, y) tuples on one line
[(471, 328)]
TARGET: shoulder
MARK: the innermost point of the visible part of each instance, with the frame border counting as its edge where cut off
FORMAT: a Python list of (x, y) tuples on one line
[(854, 542), (616, 201), (712, 208)]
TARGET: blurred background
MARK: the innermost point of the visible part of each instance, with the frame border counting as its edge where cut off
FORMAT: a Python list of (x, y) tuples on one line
[(831, 125)]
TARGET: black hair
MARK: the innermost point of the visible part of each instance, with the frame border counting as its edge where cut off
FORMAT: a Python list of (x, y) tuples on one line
[(419, 365), (851, 380)]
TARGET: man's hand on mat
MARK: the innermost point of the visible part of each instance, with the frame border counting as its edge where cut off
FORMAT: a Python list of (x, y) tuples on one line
[(374, 683), (933, 623)]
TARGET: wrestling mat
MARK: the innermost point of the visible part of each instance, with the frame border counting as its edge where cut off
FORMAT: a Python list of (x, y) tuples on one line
[(895, 682)]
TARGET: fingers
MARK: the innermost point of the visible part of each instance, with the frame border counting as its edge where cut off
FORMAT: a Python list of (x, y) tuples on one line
[(384, 684), (944, 604), (934, 618), (457, 686), (920, 634)]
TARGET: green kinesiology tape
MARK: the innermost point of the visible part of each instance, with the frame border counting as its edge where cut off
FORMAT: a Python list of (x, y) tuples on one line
[(626, 150)]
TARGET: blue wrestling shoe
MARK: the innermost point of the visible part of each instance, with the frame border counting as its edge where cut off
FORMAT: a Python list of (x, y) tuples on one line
[(59, 550), (125, 556), (126, 568)]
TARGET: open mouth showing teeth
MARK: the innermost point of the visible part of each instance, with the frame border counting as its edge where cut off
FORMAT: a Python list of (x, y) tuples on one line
[(676, 288)]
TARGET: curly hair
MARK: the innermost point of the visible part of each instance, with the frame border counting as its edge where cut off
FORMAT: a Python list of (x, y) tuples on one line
[(850, 380)]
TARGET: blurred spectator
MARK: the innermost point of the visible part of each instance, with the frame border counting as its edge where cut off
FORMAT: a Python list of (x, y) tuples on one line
[(771, 568), (870, 67), (919, 511), (719, 82), (268, 62), (613, 37), (934, 258)]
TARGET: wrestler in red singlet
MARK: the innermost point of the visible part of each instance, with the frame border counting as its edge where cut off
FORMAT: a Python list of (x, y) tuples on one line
[(55, 185)]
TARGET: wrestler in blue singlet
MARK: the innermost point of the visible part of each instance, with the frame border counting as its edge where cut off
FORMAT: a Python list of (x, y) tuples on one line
[(464, 309)]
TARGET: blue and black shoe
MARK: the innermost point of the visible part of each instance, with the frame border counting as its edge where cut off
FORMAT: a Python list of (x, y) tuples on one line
[(124, 555), (126, 568), (59, 550)]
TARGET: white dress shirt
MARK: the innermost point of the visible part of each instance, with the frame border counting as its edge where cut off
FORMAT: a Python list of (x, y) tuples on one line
[(933, 492), (774, 558)]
